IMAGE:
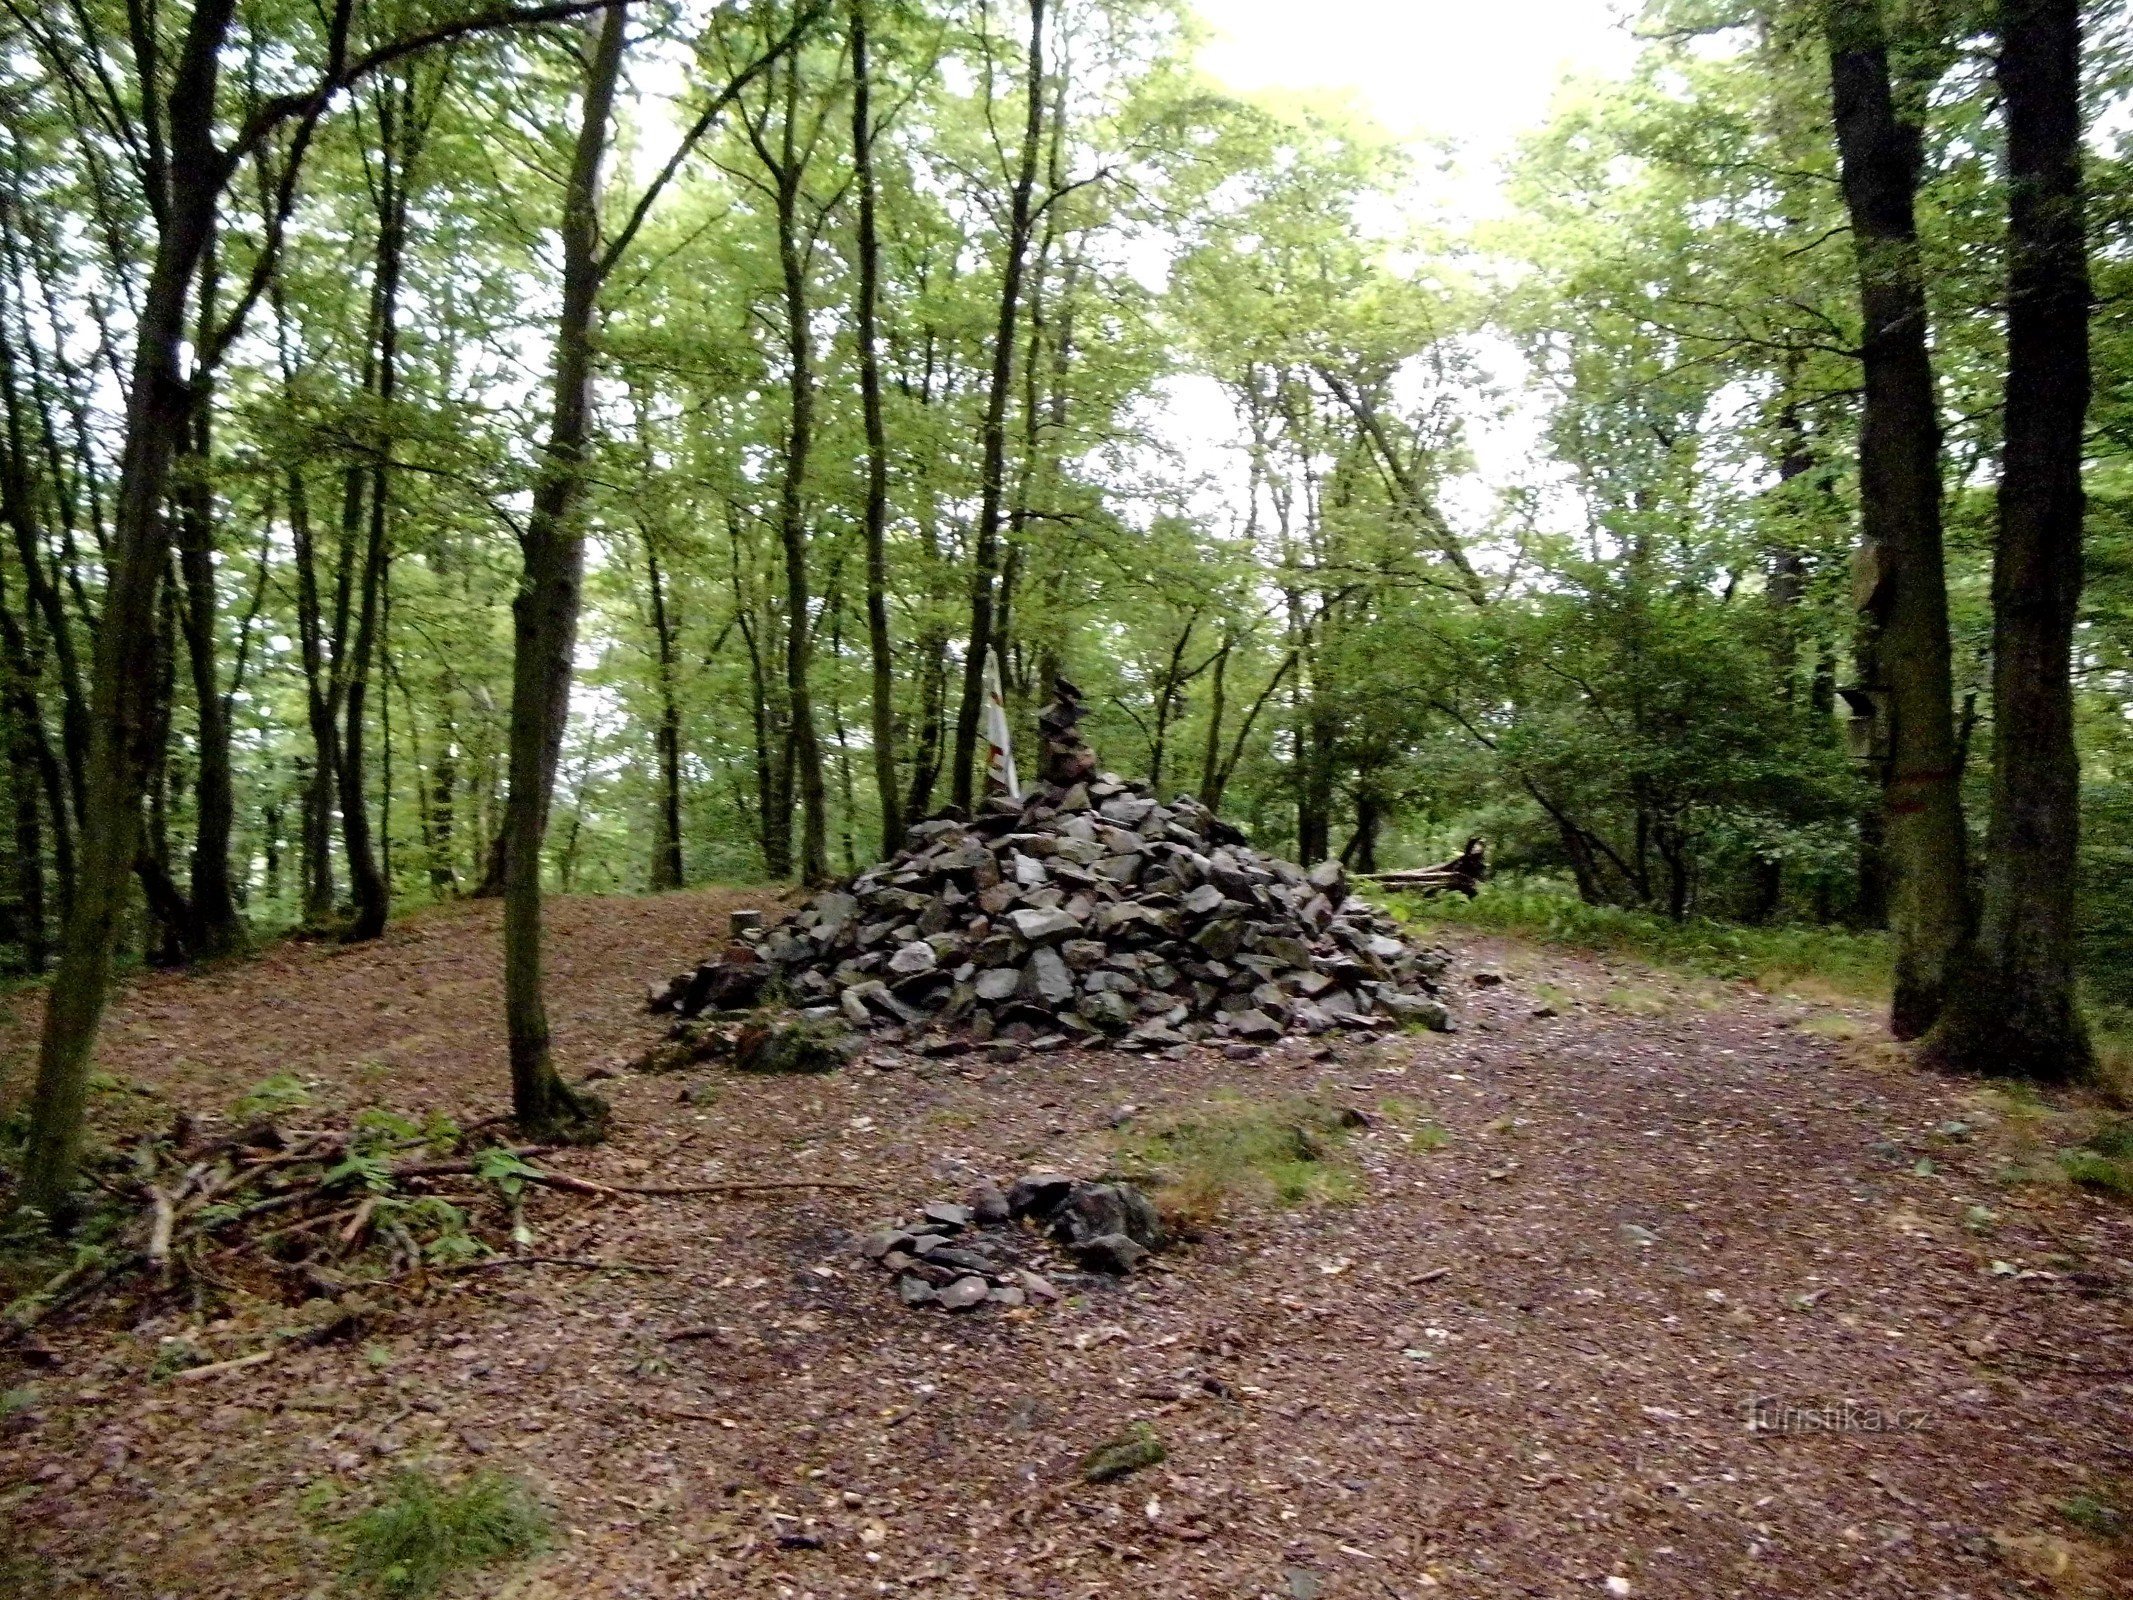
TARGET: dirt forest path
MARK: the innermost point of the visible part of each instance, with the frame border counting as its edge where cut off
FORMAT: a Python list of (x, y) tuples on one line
[(1525, 1360)]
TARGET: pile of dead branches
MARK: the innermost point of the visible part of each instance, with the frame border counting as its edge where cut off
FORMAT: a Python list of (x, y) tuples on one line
[(303, 1214)]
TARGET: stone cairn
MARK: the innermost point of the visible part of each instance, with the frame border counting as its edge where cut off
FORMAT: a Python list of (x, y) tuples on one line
[(1084, 910), (1013, 1247)]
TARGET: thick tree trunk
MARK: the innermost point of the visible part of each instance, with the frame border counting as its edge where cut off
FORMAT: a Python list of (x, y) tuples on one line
[(123, 691), (985, 556), (1903, 584), (544, 615), (876, 517), (2015, 1010)]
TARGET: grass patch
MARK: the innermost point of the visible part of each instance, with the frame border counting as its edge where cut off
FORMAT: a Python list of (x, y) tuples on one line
[(2093, 1514), (1230, 1149), (2104, 1160), (423, 1531), (1413, 1123), (271, 1097), (2111, 1033), (1853, 965)]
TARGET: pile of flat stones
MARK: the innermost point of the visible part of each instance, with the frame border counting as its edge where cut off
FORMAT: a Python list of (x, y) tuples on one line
[(1075, 914), (1004, 1247)]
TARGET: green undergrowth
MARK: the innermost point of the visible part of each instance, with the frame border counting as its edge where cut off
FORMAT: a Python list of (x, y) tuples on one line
[(423, 1532), (1230, 1150), (2104, 1160), (1854, 965)]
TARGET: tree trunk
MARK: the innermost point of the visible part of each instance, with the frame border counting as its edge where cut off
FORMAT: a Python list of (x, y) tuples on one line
[(932, 719), (316, 845), (544, 614), (2015, 1010), (1902, 581), (788, 168), (667, 870), (444, 801), (366, 878), (877, 502), (985, 555), (123, 691), (214, 919), (23, 782), (1211, 758)]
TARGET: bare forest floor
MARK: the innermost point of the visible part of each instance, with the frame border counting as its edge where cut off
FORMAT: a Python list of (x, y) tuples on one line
[(1515, 1364)]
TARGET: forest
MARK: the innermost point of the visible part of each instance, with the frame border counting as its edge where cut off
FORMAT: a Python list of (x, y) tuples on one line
[(505, 499), (599, 446)]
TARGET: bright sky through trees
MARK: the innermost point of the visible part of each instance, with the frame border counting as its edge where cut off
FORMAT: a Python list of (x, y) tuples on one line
[(1478, 74), (1462, 81)]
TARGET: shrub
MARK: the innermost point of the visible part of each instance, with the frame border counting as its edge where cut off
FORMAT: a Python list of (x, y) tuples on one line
[(1852, 963)]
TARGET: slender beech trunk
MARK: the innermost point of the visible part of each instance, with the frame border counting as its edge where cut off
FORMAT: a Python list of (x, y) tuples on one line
[(1217, 705), (444, 802), (667, 870), (2015, 1009), (18, 504), (876, 517), (214, 923), (544, 614), (366, 878), (932, 717), (24, 732), (1902, 580), (985, 556), (315, 850), (804, 750)]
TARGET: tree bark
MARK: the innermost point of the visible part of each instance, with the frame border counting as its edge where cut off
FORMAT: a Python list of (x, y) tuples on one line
[(158, 402), (985, 556), (876, 517), (788, 169), (2015, 1009), (667, 866), (25, 735), (544, 614), (215, 922), (366, 878), (1211, 758), (1903, 586)]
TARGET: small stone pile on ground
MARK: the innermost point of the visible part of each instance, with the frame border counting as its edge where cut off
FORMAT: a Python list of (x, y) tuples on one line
[(998, 1247), (1085, 909)]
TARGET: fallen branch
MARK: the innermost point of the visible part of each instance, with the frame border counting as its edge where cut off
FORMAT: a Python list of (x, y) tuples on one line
[(354, 1230), (60, 1291), (166, 1217), (217, 1369)]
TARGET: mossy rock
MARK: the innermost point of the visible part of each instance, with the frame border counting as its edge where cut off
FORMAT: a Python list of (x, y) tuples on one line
[(800, 1045), (1138, 1447)]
